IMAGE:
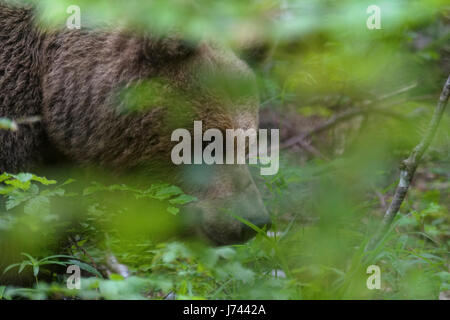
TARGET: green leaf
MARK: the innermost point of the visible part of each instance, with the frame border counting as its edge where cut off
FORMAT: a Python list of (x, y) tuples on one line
[(173, 210), (86, 267), (23, 265), (24, 185), (10, 267), (168, 192), (35, 270), (38, 205), (8, 124), (33, 260), (4, 176), (183, 199), (57, 256), (93, 189), (247, 223), (53, 262), (68, 181), (117, 277), (23, 177)]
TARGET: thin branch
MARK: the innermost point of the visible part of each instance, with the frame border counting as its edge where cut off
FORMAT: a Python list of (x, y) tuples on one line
[(74, 242), (13, 125), (408, 167), (311, 149), (333, 121), (350, 113), (397, 92), (29, 120)]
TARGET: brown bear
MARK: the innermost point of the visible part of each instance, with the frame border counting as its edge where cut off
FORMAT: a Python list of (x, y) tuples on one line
[(82, 85)]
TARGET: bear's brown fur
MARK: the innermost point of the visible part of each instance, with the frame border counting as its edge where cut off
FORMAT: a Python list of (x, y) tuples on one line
[(75, 80), (20, 89)]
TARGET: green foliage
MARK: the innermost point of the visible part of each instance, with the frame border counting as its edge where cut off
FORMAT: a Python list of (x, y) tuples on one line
[(7, 124), (37, 264), (325, 202), (320, 261), (172, 194)]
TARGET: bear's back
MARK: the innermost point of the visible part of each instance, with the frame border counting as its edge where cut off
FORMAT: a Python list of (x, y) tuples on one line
[(85, 73), (74, 80), (20, 92)]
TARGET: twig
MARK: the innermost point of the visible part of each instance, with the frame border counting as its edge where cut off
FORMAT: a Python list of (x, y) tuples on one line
[(397, 92), (13, 125), (29, 120), (311, 149), (408, 167), (347, 114), (74, 242), (350, 113)]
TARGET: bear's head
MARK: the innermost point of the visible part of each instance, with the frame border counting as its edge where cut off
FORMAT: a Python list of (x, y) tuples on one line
[(218, 90), (118, 104)]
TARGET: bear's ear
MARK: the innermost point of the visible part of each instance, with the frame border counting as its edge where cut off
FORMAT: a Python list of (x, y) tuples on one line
[(167, 48)]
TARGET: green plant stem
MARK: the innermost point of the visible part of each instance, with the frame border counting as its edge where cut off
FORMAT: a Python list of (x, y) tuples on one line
[(408, 167)]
